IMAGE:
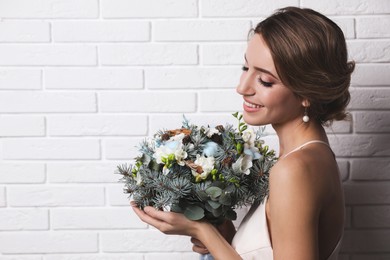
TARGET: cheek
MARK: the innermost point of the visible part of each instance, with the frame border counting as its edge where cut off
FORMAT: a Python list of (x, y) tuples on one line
[(280, 100)]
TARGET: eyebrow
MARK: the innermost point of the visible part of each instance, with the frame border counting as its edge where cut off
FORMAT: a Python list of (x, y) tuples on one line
[(262, 70)]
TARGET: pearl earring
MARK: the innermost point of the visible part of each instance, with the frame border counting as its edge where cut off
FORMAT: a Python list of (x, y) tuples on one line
[(305, 117)]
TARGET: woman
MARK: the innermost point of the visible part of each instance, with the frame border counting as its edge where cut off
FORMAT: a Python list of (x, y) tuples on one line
[(296, 77)]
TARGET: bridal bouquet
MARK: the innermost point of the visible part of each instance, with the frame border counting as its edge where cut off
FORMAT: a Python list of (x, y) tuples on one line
[(202, 172)]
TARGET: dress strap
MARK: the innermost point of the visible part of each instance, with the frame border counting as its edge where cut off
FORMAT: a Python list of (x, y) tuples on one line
[(303, 145)]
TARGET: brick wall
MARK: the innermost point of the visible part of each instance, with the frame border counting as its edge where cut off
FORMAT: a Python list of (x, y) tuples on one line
[(83, 81)]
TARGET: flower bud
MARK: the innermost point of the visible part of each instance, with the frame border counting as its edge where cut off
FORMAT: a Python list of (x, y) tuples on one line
[(171, 157), (239, 148)]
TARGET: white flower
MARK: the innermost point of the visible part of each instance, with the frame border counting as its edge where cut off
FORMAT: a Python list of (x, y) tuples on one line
[(249, 137), (161, 152), (243, 164), (170, 151), (180, 155), (253, 152), (210, 131), (138, 178), (207, 164), (178, 137), (165, 170), (173, 146)]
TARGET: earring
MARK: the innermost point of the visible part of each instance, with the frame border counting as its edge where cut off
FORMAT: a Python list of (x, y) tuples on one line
[(305, 117)]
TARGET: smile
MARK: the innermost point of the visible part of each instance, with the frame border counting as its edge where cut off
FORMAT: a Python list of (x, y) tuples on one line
[(252, 105)]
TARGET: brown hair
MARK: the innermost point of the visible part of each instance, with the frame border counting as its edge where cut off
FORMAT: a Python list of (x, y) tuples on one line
[(310, 56)]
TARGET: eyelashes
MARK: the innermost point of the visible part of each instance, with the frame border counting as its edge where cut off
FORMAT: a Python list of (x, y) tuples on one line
[(262, 82), (265, 83)]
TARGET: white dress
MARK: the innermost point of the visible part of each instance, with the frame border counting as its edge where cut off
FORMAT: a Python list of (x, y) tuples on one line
[(252, 240)]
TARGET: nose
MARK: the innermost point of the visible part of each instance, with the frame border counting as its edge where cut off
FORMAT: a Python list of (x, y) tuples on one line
[(245, 87)]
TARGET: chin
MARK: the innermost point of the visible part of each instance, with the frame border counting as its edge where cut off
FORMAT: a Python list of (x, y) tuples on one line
[(252, 119)]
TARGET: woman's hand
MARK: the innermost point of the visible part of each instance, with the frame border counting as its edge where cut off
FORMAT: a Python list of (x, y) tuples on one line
[(167, 222), (204, 235), (226, 229)]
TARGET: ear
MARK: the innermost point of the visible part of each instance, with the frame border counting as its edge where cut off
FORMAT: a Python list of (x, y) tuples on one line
[(305, 102)]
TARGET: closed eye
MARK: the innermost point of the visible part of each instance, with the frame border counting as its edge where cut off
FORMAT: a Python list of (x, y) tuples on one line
[(265, 83)]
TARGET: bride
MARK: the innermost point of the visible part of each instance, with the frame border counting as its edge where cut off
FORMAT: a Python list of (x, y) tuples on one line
[(296, 78)]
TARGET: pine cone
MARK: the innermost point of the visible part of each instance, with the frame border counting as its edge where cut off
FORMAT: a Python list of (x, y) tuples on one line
[(187, 139), (179, 131), (220, 128), (228, 161), (217, 138), (165, 137)]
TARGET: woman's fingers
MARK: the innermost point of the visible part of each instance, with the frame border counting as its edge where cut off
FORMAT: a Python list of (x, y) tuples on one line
[(196, 242), (198, 246), (146, 217), (200, 250), (166, 222)]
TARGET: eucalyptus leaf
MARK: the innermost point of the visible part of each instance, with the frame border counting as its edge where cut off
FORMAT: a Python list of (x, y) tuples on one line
[(176, 208), (214, 204), (208, 207), (202, 195), (231, 215), (225, 199), (194, 212), (214, 192), (217, 212)]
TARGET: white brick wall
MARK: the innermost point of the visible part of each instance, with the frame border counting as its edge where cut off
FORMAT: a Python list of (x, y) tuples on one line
[(82, 82)]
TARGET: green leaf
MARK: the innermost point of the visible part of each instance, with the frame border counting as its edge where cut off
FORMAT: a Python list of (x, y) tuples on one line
[(214, 204), (202, 195), (235, 114), (231, 215), (214, 192), (217, 212), (194, 212), (225, 199), (176, 208), (208, 207)]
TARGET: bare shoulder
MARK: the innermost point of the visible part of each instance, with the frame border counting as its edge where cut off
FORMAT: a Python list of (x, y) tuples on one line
[(293, 171), (294, 207), (302, 176), (307, 170), (305, 203)]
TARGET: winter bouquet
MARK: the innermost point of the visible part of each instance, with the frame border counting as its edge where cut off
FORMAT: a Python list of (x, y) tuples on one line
[(203, 172)]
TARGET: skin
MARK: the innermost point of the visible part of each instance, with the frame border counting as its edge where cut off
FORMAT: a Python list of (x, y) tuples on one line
[(306, 219)]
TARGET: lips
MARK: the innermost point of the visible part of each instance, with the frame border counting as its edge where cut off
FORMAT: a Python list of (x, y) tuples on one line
[(251, 105)]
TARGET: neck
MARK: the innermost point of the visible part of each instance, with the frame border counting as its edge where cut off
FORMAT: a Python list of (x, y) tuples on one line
[(295, 133)]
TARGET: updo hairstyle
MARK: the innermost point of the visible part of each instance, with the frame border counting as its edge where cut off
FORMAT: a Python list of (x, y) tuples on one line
[(311, 59)]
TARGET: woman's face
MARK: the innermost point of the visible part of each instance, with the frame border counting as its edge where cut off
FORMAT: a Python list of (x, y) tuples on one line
[(266, 99)]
